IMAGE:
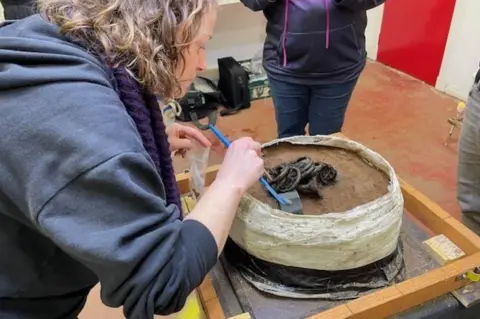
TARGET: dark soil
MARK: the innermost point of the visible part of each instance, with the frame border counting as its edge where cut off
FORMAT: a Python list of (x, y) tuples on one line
[(357, 182)]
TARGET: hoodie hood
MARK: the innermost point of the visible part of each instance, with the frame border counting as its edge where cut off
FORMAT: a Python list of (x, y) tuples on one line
[(33, 52)]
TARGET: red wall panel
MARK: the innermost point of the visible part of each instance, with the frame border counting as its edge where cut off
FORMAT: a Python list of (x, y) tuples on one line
[(413, 36)]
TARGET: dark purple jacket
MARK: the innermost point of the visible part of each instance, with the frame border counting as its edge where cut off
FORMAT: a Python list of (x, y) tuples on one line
[(314, 41)]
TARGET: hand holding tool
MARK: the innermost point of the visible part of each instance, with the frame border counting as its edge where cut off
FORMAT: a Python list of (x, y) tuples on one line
[(263, 181)]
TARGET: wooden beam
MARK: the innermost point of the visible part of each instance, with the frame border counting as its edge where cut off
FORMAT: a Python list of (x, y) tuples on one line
[(376, 305), (442, 249), (244, 315), (209, 299), (413, 292), (438, 220), (339, 312), (182, 179)]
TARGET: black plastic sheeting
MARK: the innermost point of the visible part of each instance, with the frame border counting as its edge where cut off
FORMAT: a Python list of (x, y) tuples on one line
[(311, 283)]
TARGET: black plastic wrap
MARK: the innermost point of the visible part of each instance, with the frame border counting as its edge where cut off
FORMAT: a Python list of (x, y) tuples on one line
[(298, 282)]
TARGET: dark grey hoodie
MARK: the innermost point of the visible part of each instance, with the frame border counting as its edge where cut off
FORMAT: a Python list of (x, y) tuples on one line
[(80, 199), (314, 42)]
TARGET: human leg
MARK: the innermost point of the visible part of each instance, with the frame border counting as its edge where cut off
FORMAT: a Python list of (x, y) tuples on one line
[(328, 106), (291, 107), (468, 180)]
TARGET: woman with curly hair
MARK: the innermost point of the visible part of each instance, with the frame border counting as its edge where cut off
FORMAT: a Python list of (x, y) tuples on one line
[(87, 189)]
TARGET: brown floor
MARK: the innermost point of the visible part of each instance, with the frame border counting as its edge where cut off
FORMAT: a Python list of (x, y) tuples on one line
[(399, 117)]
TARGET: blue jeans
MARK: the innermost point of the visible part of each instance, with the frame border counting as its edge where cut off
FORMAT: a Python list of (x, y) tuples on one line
[(323, 107)]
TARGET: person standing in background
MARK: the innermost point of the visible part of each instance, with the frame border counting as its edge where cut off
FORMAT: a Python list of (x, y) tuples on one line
[(313, 54), (17, 9), (468, 180)]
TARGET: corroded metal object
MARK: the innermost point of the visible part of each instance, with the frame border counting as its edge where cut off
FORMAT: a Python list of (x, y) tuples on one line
[(303, 175)]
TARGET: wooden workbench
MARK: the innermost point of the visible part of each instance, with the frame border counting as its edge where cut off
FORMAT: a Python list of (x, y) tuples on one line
[(389, 301)]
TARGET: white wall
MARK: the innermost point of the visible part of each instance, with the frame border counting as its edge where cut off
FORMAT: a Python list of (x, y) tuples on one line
[(372, 33), (462, 54), (240, 33)]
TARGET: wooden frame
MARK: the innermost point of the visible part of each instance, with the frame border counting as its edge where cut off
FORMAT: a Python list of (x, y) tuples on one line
[(397, 298)]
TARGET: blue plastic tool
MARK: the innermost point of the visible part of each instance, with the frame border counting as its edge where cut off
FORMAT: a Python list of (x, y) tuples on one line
[(263, 181)]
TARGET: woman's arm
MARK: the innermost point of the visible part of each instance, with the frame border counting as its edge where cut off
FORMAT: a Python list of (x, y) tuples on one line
[(258, 5), (217, 215), (241, 167), (359, 5)]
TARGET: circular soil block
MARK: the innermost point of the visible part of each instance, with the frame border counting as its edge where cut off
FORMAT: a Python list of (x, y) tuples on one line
[(357, 181)]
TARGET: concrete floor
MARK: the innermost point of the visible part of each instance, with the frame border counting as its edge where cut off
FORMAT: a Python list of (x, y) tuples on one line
[(397, 116)]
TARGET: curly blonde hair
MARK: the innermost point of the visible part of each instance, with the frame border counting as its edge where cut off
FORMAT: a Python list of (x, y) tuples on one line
[(147, 37)]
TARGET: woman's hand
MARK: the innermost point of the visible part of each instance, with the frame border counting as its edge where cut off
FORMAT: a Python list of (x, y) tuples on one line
[(181, 138), (242, 165), (241, 168)]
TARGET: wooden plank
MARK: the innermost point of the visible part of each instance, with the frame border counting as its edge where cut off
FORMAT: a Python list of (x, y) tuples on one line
[(442, 249), (413, 292), (182, 179), (209, 299), (418, 205), (438, 220), (244, 315), (339, 312), (422, 289), (213, 309), (461, 235), (376, 305), (207, 290)]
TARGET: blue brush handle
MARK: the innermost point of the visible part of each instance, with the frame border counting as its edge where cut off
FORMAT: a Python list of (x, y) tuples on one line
[(219, 135), (263, 181)]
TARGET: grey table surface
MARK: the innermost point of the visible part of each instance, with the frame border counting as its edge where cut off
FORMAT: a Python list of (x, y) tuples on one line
[(237, 296)]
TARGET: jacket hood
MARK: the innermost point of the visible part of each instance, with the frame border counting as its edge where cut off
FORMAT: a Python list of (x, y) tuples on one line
[(33, 52)]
